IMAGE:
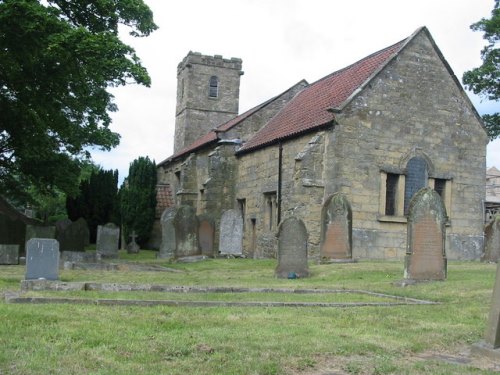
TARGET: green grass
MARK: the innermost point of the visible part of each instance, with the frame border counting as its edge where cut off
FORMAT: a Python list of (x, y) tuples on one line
[(88, 339)]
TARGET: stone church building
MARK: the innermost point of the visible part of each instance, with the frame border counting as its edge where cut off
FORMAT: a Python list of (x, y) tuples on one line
[(375, 131)]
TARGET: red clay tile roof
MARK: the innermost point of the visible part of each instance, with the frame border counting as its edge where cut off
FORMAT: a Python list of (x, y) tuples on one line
[(311, 108), (164, 198)]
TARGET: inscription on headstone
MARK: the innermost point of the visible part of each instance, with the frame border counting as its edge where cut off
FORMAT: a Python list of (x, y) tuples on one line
[(108, 237), (492, 240), (292, 249), (336, 229), (42, 259), (425, 254), (9, 254), (206, 233), (231, 233), (167, 246), (186, 232)]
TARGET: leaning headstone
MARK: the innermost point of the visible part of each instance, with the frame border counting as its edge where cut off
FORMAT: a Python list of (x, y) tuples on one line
[(492, 240), (490, 346), (108, 238), (425, 253), (42, 259), (336, 229), (167, 246), (73, 236), (186, 232), (9, 254), (292, 249), (206, 233), (38, 231), (231, 233)]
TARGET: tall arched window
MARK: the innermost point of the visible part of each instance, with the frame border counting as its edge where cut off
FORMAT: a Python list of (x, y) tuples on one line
[(213, 87), (416, 178)]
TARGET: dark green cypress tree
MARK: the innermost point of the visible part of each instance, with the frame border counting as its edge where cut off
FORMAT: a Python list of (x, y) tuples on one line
[(138, 199)]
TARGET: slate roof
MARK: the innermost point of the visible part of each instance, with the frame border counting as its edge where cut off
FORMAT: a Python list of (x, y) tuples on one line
[(314, 107)]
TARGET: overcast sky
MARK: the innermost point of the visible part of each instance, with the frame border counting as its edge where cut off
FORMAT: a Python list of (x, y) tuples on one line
[(280, 43)]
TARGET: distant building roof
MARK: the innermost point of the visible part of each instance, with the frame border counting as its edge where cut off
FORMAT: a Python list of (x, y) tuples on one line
[(164, 198)]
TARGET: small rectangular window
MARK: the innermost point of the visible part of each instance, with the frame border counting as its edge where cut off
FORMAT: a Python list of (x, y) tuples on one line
[(213, 87), (440, 187), (391, 194)]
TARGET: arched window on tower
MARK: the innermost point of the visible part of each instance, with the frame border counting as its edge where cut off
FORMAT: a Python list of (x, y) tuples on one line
[(213, 87)]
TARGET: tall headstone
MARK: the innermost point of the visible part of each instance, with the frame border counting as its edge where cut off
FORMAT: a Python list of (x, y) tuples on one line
[(108, 238), (425, 254), (231, 233), (42, 259), (492, 240), (9, 254), (490, 346), (336, 229), (167, 246), (292, 249), (206, 233), (72, 235), (186, 232)]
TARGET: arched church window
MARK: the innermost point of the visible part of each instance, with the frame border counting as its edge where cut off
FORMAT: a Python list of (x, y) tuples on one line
[(416, 178), (213, 87)]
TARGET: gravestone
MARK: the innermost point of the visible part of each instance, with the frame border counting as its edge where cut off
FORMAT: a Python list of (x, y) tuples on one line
[(492, 240), (42, 259), (167, 246), (490, 346), (292, 249), (336, 229), (231, 233), (186, 232), (39, 231), (206, 233), (9, 254), (425, 253), (133, 247), (72, 236), (108, 238)]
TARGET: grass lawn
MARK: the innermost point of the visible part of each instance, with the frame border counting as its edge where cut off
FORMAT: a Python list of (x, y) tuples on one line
[(90, 339)]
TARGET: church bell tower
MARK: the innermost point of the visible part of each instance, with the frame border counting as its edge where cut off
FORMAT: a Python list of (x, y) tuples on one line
[(208, 89)]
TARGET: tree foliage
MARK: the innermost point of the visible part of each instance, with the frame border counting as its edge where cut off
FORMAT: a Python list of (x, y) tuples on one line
[(485, 80), (97, 200), (57, 60), (138, 199)]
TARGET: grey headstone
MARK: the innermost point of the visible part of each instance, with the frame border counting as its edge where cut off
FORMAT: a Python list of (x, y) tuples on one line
[(9, 254), (132, 246), (336, 229), (425, 253), (72, 236), (292, 249), (231, 233), (108, 238), (186, 232), (206, 233), (492, 240), (42, 259), (167, 246)]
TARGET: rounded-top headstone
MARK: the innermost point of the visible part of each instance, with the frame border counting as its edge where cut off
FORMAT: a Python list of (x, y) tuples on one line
[(292, 249)]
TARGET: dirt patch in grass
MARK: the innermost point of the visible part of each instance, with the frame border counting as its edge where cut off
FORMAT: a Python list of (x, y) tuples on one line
[(458, 361)]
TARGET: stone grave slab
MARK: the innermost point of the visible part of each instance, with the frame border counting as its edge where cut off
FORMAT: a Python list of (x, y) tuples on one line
[(42, 259), (231, 233), (292, 249), (425, 254), (186, 232), (336, 229), (108, 237), (492, 241), (9, 254), (167, 246)]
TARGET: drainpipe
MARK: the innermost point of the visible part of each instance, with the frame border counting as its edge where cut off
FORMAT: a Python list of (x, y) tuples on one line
[(280, 167)]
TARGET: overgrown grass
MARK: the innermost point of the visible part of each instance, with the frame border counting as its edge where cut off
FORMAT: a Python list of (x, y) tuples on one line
[(88, 339)]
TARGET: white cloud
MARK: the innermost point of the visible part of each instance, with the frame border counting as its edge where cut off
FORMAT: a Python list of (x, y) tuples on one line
[(280, 42)]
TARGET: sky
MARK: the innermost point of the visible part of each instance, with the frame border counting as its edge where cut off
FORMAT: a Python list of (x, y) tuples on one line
[(280, 43)]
